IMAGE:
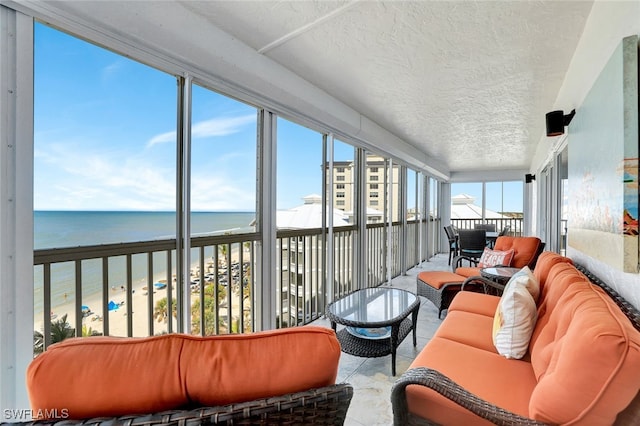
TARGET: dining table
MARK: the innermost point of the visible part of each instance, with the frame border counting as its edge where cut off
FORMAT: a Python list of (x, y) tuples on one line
[(491, 237)]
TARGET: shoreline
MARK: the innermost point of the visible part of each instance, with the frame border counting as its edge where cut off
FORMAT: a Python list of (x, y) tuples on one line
[(118, 317)]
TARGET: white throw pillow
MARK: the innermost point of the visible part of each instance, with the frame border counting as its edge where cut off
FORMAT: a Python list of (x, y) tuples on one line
[(514, 319), (532, 284)]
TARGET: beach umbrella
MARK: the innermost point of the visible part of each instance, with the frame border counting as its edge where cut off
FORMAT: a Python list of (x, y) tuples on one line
[(113, 305)]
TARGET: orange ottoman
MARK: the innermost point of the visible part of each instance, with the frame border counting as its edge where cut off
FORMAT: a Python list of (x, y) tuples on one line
[(439, 287)]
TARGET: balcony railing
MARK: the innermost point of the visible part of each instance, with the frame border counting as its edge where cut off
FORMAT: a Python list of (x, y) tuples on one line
[(134, 289), (515, 224)]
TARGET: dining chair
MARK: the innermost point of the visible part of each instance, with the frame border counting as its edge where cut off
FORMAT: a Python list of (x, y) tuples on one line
[(471, 242), (453, 242)]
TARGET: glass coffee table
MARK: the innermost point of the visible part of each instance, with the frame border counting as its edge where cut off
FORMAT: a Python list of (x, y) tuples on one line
[(376, 321)]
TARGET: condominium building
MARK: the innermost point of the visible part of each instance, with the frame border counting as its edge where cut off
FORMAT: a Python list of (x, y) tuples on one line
[(377, 199)]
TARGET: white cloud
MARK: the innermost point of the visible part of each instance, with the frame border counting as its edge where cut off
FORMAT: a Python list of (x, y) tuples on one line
[(208, 128), (162, 137), (112, 70)]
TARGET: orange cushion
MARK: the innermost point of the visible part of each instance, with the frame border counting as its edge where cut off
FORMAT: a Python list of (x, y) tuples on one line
[(483, 373), (560, 277), (468, 271), (592, 359), (108, 376), (468, 328), (545, 262), (478, 303), (525, 249), (112, 376), (437, 279), (222, 370)]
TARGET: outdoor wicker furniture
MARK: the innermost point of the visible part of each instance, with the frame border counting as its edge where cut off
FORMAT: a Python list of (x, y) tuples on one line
[(453, 242), (439, 287), (377, 321), (471, 242), (284, 376), (580, 367), (500, 275), (321, 406)]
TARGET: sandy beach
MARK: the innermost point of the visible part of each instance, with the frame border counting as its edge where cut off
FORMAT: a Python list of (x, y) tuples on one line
[(117, 318)]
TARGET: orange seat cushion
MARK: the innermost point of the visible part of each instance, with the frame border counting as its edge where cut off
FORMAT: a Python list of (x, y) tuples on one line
[(505, 383), (478, 303), (468, 271), (113, 376), (468, 328), (437, 279)]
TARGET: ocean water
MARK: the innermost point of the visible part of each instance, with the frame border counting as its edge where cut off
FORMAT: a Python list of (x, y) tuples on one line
[(78, 228), (56, 229)]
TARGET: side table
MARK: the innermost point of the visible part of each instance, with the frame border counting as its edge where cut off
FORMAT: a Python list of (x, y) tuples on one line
[(500, 275)]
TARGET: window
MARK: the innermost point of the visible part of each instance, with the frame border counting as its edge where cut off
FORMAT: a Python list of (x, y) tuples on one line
[(340, 169), (340, 186), (373, 195), (373, 186), (502, 205), (299, 174), (339, 194), (340, 178), (373, 169), (109, 145), (104, 168), (218, 183), (373, 178)]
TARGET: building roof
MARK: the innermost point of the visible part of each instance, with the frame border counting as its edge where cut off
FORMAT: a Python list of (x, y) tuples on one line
[(463, 207), (308, 215)]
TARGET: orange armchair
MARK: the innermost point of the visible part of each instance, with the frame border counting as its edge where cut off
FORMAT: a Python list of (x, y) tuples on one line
[(526, 252)]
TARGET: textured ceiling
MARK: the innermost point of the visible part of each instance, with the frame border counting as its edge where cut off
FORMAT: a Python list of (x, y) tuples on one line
[(467, 82)]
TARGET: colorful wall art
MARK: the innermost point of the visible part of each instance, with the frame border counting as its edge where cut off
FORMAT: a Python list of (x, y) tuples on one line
[(603, 166)]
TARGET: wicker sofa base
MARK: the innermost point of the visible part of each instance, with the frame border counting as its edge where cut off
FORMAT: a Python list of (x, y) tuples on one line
[(320, 406)]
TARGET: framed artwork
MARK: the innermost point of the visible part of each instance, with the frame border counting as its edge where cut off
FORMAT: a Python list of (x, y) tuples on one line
[(603, 166)]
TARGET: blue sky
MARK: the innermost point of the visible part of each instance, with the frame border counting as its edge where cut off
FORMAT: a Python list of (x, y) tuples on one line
[(105, 139), (501, 196)]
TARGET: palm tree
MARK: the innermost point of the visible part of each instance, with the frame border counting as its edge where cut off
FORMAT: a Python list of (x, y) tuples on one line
[(88, 331), (210, 310), (223, 249), (60, 330), (161, 313)]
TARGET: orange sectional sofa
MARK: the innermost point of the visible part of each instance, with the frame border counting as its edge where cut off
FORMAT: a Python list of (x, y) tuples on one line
[(122, 378), (581, 365)]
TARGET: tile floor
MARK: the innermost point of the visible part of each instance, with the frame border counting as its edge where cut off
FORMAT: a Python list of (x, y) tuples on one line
[(371, 377)]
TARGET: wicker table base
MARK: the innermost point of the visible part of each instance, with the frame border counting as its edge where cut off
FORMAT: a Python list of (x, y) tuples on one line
[(372, 348)]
